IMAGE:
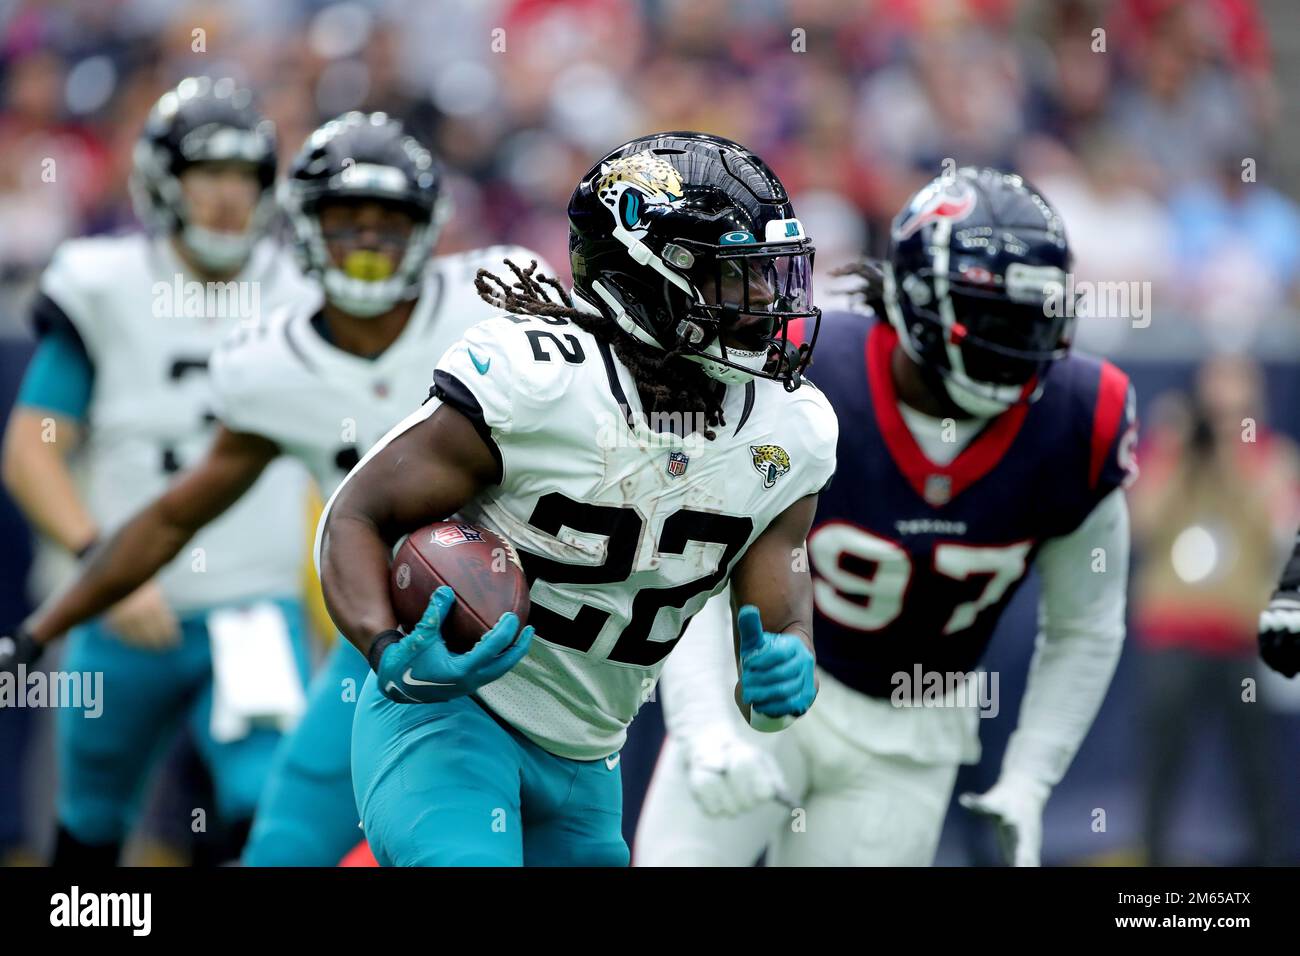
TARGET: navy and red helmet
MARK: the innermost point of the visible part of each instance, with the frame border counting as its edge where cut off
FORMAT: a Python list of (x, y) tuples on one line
[(975, 285), (689, 242)]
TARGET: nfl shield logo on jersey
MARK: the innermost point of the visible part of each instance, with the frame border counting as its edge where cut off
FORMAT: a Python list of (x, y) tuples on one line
[(938, 489), (454, 535), (677, 462)]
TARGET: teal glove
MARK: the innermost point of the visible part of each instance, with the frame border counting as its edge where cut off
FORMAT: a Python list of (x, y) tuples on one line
[(776, 670), (418, 669)]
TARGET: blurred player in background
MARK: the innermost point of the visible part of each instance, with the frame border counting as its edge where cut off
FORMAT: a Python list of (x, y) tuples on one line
[(972, 445), (1217, 495), (319, 380), (689, 265), (121, 376)]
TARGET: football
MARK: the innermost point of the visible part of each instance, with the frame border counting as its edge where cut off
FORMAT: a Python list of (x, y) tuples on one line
[(479, 565)]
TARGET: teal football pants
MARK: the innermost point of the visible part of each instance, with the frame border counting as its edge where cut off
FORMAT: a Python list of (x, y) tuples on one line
[(448, 784), (308, 816), (104, 761)]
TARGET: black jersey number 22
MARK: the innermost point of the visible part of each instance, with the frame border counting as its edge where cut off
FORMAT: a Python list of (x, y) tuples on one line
[(622, 528)]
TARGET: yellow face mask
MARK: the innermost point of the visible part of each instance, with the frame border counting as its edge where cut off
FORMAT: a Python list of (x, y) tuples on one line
[(367, 265)]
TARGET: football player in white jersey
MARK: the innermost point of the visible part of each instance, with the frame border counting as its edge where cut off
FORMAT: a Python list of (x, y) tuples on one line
[(120, 376), (319, 380), (639, 446)]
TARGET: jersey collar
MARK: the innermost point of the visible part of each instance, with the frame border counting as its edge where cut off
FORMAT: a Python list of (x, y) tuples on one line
[(324, 354), (934, 483), (737, 404)]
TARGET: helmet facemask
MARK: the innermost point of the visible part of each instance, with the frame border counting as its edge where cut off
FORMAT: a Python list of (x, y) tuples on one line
[(160, 200), (365, 284), (734, 320), (976, 287), (992, 340)]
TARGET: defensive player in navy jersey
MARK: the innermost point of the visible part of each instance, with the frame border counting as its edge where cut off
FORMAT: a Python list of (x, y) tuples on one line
[(973, 445)]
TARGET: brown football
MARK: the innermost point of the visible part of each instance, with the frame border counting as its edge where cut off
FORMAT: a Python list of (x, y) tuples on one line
[(479, 565)]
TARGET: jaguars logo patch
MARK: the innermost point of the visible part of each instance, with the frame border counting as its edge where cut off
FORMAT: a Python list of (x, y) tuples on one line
[(630, 185), (654, 174), (770, 461)]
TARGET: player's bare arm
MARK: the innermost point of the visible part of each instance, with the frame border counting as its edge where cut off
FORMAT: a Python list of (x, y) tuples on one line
[(425, 474), (772, 598), (144, 545), (36, 475), (773, 574)]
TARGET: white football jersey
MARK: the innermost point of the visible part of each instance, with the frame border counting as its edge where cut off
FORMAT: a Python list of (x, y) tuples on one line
[(149, 329), (624, 531), (325, 406)]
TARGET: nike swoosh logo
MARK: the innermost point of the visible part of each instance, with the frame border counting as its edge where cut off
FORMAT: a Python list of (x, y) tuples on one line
[(410, 681), (612, 762), (393, 686), (482, 367)]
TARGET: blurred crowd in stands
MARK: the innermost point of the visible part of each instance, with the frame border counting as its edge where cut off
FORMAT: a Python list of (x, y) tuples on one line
[(1139, 118)]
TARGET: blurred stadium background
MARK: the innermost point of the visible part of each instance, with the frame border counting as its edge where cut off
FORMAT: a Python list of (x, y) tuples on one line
[(1140, 143)]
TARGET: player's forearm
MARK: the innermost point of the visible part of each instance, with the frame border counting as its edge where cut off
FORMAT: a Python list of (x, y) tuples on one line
[(1069, 676), (1082, 634), (354, 571), (155, 535), (401, 484), (115, 568), (782, 595), (37, 478), (773, 574)]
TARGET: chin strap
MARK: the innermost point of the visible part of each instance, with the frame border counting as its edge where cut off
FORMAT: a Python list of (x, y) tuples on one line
[(623, 319)]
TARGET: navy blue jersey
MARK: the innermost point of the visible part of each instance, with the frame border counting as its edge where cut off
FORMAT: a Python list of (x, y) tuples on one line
[(913, 562)]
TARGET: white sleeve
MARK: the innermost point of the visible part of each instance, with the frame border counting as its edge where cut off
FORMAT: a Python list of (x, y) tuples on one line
[(698, 679), (70, 281), (1081, 633)]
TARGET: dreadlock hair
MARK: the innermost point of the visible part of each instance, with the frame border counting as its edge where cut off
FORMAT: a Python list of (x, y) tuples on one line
[(872, 289), (664, 378)]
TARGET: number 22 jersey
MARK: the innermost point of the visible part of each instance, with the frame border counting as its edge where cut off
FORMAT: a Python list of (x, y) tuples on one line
[(624, 532)]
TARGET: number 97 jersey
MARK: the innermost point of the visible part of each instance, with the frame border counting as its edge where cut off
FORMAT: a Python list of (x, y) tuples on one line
[(913, 562), (624, 530)]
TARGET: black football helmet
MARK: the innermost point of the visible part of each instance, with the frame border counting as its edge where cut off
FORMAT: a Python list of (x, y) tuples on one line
[(202, 120), (689, 242), (975, 286), (364, 156)]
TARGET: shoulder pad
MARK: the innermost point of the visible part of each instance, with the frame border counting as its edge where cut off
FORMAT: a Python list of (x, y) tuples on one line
[(515, 366), (805, 424), (82, 270)]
